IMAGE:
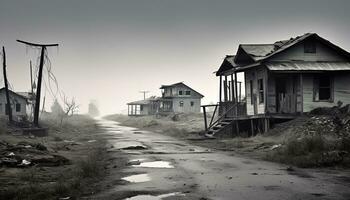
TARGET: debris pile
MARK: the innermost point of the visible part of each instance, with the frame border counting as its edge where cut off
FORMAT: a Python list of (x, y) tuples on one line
[(25, 154)]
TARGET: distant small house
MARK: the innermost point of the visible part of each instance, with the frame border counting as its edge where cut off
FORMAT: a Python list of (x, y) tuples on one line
[(19, 103), (282, 80), (149, 106), (176, 98), (180, 98)]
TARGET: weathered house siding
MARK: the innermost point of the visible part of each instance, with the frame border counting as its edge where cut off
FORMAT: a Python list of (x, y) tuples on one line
[(323, 53), (341, 91), (14, 100), (186, 105), (252, 76)]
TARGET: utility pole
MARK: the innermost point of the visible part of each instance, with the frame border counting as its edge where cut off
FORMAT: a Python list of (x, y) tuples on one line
[(32, 90), (41, 66), (144, 94), (8, 105)]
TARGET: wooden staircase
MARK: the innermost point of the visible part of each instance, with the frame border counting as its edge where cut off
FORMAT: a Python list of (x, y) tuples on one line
[(221, 123), (218, 127)]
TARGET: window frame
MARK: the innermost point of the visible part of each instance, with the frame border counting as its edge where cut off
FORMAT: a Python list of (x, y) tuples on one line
[(181, 103), (188, 91), (192, 103), (310, 47), (316, 88), (180, 92), (261, 91), (18, 107), (251, 85)]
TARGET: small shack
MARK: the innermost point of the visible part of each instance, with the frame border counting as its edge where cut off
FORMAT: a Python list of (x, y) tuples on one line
[(20, 104), (148, 106)]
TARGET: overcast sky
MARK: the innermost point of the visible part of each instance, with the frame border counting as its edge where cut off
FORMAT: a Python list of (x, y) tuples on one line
[(110, 50)]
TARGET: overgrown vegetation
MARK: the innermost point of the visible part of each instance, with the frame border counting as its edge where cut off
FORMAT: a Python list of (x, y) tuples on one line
[(321, 140), (69, 139)]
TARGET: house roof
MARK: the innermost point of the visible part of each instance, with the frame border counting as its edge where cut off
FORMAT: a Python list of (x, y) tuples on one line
[(180, 83), (14, 93), (227, 63), (143, 102), (308, 66), (260, 53)]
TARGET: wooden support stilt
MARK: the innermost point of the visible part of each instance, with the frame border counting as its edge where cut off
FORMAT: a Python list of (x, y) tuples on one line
[(237, 127), (252, 127), (266, 125)]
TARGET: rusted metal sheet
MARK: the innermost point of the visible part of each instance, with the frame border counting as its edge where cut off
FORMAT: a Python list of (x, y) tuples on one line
[(308, 66)]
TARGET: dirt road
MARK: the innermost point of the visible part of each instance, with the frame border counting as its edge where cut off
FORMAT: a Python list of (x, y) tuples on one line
[(162, 167)]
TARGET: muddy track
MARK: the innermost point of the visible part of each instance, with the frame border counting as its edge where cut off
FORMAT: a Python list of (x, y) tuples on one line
[(162, 167)]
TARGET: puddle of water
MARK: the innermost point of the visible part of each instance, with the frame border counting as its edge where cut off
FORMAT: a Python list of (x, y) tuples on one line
[(139, 178), (155, 164), (151, 197)]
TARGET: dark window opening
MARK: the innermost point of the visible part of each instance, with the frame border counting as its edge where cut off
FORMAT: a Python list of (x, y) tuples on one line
[(323, 88), (192, 103), (261, 90), (141, 107), (188, 92), (18, 107), (180, 92), (6, 109), (181, 103), (310, 47)]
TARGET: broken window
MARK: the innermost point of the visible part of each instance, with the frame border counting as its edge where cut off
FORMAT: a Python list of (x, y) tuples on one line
[(180, 92), (261, 90), (323, 89), (192, 103), (188, 92), (181, 103), (309, 46)]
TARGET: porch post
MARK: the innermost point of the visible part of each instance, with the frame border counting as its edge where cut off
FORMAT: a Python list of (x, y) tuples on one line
[(236, 95), (225, 89), (233, 90), (220, 94)]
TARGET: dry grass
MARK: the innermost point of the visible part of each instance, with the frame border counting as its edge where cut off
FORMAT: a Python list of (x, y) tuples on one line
[(62, 181)]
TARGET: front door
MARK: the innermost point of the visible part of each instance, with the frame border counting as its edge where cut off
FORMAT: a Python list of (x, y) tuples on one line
[(286, 94)]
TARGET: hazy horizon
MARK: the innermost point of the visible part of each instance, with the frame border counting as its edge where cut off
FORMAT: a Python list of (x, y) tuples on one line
[(111, 50)]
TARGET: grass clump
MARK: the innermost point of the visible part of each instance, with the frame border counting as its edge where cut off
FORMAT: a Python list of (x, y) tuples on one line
[(89, 167), (311, 151)]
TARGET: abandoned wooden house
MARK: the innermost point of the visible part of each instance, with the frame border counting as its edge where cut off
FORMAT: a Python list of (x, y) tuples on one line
[(176, 98), (20, 104), (180, 98), (282, 80)]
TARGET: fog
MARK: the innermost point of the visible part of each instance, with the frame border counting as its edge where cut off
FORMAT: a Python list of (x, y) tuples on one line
[(110, 50)]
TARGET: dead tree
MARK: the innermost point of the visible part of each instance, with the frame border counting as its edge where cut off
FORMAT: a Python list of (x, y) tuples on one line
[(70, 106), (40, 75), (8, 105)]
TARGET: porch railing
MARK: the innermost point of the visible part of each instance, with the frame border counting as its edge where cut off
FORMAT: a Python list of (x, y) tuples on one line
[(223, 110)]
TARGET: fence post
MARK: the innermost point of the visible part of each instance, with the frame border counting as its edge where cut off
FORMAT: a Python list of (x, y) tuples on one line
[(205, 118)]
